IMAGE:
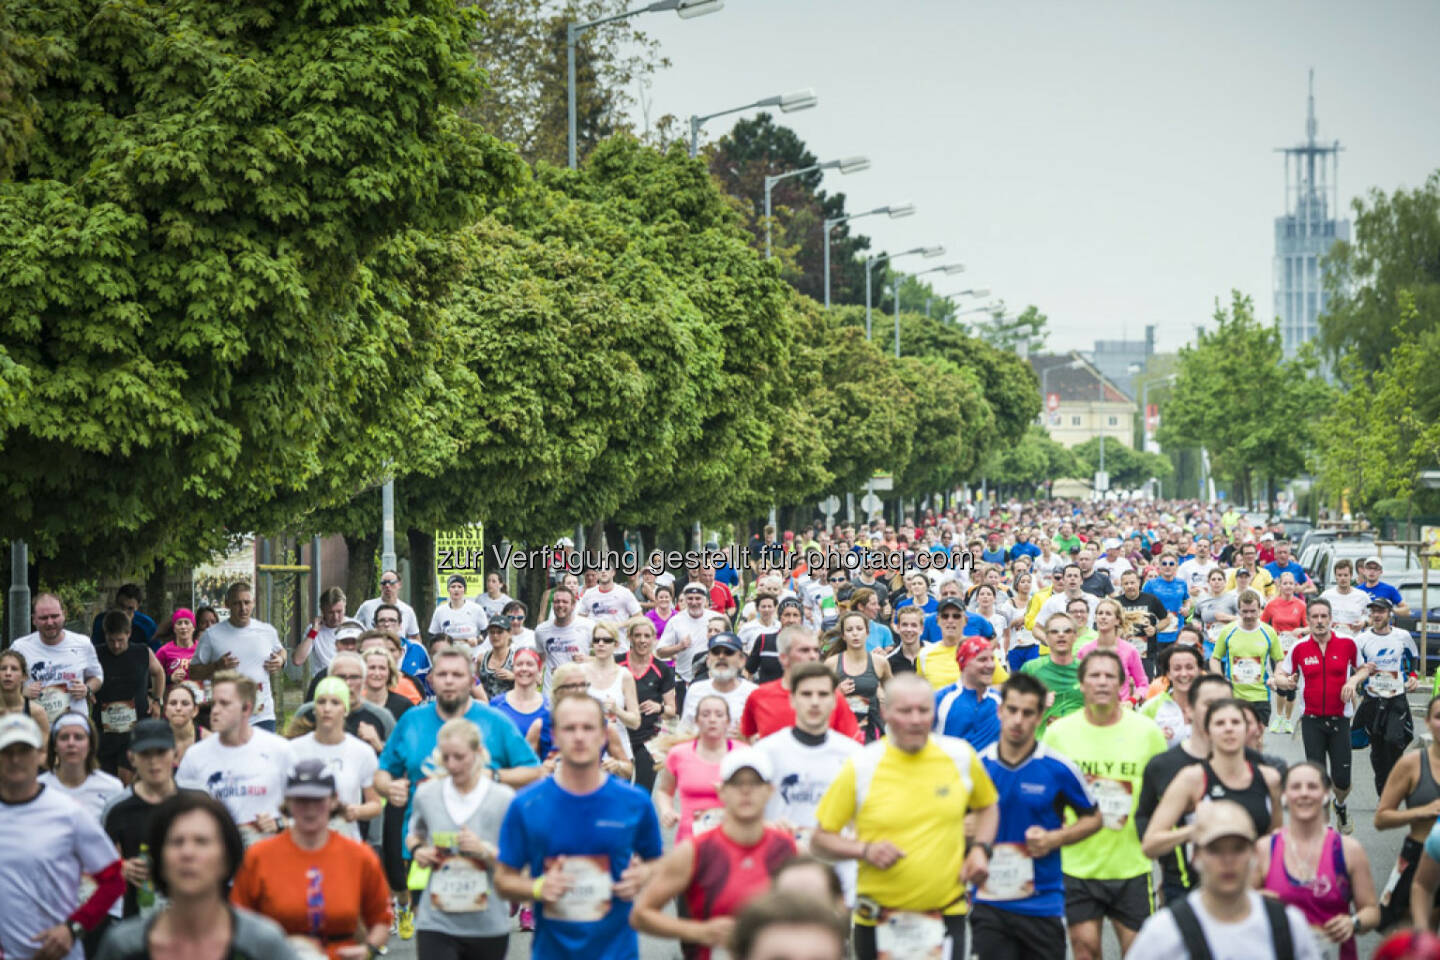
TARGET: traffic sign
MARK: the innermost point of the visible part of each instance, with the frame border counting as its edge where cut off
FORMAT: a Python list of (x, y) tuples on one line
[(1052, 402), (1102, 481), (830, 506), (871, 503)]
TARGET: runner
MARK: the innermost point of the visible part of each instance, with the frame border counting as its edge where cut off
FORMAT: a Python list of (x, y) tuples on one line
[(1019, 911), (459, 617), (763, 663), (314, 882), (1286, 614), (381, 677), (937, 663), (351, 761), (907, 652), (1156, 619), (724, 680), (525, 705), (1412, 782), (127, 817), (1224, 916), (608, 602), (1108, 616), (43, 915), (578, 845), (1214, 607), (176, 654), (180, 710), (720, 870), (1282, 564), (692, 770), (1348, 603), (1173, 593), (1371, 568), (409, 625), (133, 689), (1327, 662), (655, 691), (64, 670), (908, 796), (565, 637), (13, 673), (1070, 588), (1171, 709), (411, 656), (789, 926), (1058, 670), (1247, 652), (242, 765), (769, 708), (1107, 874), (365, 720), (1384, 710), (686, 634), (969, 708), (73, 766), (455, 835), (242, 644), (319, 640), (1309, 865), (862, 673)]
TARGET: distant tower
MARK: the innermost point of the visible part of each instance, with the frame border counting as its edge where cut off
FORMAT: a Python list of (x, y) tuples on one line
[(1306, 232)]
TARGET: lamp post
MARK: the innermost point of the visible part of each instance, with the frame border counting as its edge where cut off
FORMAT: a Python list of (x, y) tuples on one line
[(935, 251), (895, 210), (685, 9), (981, 292), (844, 165), (787, 102), (946, 268)]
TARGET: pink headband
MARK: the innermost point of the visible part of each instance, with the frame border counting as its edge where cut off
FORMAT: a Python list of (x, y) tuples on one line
[(182, 614)]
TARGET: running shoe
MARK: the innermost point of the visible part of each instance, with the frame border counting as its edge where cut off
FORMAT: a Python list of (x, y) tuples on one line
[(1277, 724), (1342, 820), (1289, 724), (405, 923)]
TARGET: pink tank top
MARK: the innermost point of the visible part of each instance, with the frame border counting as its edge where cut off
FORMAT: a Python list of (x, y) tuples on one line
[(1326, 896)]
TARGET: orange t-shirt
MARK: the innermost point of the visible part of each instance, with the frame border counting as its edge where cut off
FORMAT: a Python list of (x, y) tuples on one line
[(407, 689), (343, 880)]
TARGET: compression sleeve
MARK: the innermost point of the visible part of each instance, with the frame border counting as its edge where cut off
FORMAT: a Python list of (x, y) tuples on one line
[(109, 885)]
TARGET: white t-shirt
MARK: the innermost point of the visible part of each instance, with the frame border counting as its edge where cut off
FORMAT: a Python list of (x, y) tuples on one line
[(1195, 572), (1388, 654), (353, 764), (1048, 570), (611, 606), (1057, 602), (1114, 567), (98, 789), (252, 645), (1250, 939), (1348, 609), (802, 775), (322, 645), (42, 890), (54, 667), (493, 605), (704, 688), (248, 779), (409, 623), (560, 645), (467, 623), (693, 632)]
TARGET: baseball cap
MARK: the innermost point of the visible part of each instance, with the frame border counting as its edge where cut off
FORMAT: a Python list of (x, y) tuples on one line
[(310, 778), (349, 630), (948, 603), (1221, 818), (1112, 543), (1375, 560), (1382, 602), (746, 758), (694, 586), (501, 620), (152, 734), (19, 728), (1267, 537), (726, 639), (565, 542), (453, 579)]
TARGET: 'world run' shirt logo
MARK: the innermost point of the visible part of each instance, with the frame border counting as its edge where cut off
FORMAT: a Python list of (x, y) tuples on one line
[(226, 786)]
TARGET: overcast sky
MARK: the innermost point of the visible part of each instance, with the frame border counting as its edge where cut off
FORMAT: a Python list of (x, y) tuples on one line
[(1111, 163)]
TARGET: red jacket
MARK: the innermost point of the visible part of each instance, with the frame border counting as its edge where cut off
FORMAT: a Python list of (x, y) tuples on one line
[(768, 709)]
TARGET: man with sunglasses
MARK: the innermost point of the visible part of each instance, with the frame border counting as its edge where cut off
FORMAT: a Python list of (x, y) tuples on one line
[(413, 659), (1171, 591), (390, 593), (937, 663), (1071, 587), (726, 654), (1058, 671)]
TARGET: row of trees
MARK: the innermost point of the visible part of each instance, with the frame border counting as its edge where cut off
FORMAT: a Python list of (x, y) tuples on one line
[(258, 259)]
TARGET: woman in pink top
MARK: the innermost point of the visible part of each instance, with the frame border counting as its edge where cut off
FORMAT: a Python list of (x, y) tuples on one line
[(176, 655), (692, 771), (1307, 864), (1108, 619)]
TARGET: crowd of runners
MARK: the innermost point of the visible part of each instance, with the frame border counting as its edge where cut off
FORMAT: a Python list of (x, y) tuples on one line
[(967, 737)]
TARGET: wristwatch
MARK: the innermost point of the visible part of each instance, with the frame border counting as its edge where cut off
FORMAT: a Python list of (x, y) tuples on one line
[(495, 775), (989, 849), (77, 931)]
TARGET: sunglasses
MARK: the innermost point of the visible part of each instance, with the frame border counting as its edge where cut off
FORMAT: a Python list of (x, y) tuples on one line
[(388, 582), (1168, 563), (950, 616), (602, 639)]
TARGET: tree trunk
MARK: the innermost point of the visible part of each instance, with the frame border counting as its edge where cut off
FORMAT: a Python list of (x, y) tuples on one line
[(422, 570), (650, 534), (614, 537), (594, 541), (532, 591), (157, 602), (362, 576)]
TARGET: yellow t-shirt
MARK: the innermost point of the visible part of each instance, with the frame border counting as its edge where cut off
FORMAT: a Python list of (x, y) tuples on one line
[(1262, 583), (917, 802), (937, 664)]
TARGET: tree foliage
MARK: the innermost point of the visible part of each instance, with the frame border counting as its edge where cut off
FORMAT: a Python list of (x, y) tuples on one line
[(212, 251), (1128, 468), (1236, 396), (1030, 327), (1037, 459)]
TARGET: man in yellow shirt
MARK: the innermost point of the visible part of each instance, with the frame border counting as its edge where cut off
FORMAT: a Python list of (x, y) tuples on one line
[(936, 662), (908, 796), (1260, 579)]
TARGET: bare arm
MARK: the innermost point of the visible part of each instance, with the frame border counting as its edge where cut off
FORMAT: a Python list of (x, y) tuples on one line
[(302, 649), (157, 679), (1272, 784), (1163, 834), (1388, 814), (630, 713), (669, 880), (1422, 891), (1362, 884)]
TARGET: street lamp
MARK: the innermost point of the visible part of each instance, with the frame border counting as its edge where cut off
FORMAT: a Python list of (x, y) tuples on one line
[(685, 9), (979, 292), (895, 210), (946, 268), (787, 102), (844, 165), (935, 251)]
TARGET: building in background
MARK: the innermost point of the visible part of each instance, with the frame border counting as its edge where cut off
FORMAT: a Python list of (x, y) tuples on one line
[(1121, 360), (1080, 402), (1306, 232)]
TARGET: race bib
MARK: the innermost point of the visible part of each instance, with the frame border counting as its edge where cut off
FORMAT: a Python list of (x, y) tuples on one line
[(54, 701), (902, 935), (1288, 641), (459, 885), (588, 898), (1246, 670), (706, 820), (1114, 799), (117, 717), (858, 705), (1387, 683), (1012, 874)]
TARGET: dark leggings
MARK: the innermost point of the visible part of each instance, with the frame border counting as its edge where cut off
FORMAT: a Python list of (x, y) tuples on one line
[(430, 945), (644, 765), (392, 847), (1328, 738)]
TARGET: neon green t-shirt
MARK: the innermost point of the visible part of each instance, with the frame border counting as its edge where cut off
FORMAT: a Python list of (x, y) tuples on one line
[(1063, 681), (1113, 760), (1247, 656)]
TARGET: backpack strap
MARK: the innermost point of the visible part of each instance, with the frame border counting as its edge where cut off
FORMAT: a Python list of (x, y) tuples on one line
[(1279, 929), (1196, 946)]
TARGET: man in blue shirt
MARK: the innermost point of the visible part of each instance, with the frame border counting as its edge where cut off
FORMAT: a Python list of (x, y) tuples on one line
[(1023, 547), (968, 708), (1171, 591), (128, 598), (579, 844), (975, 625), (1370, 569), (994, 551), (1283, 564), (1019, 912)]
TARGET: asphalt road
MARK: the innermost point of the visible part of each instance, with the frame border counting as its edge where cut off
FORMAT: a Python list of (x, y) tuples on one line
[(1382, 846)]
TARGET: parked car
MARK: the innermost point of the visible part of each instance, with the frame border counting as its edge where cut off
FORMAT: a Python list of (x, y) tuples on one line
[(1295, 528), (1411, 592), (1355, 549)]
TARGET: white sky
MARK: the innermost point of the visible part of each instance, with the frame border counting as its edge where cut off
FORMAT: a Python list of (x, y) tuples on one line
[(1111, 162)]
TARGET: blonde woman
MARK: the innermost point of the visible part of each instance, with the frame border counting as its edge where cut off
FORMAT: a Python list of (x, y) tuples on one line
[(455, 834), (381, 676), (352, 760), (610, 683), (1109, 623)]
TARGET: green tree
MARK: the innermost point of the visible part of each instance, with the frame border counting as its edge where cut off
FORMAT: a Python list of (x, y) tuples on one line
[(1396, 249), (951, 422), (1235, 395), (1036, 460), (1030, 327), (1128, 468), (222, 250)]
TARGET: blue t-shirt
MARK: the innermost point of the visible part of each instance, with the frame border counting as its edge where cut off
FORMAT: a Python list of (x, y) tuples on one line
[(993, 556), (1381, 589), (906, 601), (880, 636), (142, 629), (546, 821), (1173, 594), (971, 716), (1035, 794), (975, 626), (1295, 570), (416, 663), (524, 721), (1023, 550)]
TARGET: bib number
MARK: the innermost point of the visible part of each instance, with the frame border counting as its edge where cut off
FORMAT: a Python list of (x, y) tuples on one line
[(1012, 874), (902, 935), (459, 885), (858, 706), (1246, 670), (1386, 684), (588, 898), (117, 717), (706, 820), (54, 701), (1114, 799)]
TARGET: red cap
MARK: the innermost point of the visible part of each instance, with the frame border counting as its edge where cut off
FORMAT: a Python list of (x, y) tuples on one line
[(1410, 945), (971, 648)]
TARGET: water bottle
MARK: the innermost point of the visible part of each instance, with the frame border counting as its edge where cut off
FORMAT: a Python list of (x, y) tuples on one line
[(145, 895)]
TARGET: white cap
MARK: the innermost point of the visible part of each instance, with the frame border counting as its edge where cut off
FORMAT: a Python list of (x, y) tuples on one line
[(349, 630), (1369, 560), (19, 728), (746, 758)]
